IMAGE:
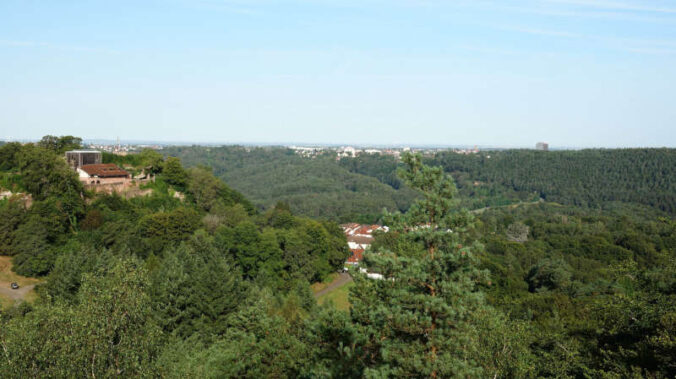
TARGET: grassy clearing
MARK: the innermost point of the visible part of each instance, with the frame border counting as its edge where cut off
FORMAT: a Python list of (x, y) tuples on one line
[(7, 276), (339, 297), (316, 287)]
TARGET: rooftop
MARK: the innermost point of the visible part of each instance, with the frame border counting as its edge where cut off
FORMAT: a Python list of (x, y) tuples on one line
[(104, 170)]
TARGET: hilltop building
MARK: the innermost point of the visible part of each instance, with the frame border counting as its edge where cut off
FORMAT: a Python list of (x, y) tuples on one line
[(542, 146), (101, 171), (98, 176), (79, 158)]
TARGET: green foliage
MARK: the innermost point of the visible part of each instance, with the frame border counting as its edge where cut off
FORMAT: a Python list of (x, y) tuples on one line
[(9, 156), (588, 178), (420, 318), (549, 274), (262, 341), (151, 161), (210, 192), (319, 187), (43, 230), (60, 145), (381, 167), (637, 331), (12, 215), (593, 274), (206, 286), (45, 174), (275, 257), (93, 220), (65, 279), (194, 288), (174, 173), (162, 229), (109, 332)]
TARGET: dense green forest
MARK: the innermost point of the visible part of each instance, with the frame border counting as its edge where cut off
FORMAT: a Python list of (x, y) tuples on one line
[(318, 187), (194, 280), (596, 289), (344, 190), (587, 178)]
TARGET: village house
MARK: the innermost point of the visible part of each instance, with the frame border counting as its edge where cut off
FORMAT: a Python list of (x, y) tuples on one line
[(359, 238)]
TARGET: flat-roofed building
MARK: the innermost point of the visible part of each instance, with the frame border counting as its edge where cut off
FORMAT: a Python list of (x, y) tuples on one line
[(79, 158)]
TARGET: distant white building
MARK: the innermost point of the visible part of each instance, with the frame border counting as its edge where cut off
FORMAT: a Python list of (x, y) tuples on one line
[(307, 152), (349, 152), (371, 275)]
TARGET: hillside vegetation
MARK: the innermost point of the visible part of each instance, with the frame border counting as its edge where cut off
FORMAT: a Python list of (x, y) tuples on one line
[(359, 188), (318, 187), (587, 178), (208, 284)]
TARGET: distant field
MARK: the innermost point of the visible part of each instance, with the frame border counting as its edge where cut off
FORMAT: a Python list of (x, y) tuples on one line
[(8, 296)]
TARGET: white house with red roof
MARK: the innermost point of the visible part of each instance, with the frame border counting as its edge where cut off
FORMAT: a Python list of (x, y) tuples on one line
[(359, 238)]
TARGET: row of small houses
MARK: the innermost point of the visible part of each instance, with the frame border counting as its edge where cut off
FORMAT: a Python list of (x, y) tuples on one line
[(359, 238)]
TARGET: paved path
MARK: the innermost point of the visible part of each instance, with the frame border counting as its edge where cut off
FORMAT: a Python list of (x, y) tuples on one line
[(17, 294), (342, 280), (515, 205)]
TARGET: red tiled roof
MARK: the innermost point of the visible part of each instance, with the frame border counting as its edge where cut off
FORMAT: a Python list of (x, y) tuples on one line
[(356, 256), (366, 229), (360, 239), (104, 170)]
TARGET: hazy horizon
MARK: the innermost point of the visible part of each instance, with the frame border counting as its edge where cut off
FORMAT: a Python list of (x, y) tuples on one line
[(573, 73), (95, 141)]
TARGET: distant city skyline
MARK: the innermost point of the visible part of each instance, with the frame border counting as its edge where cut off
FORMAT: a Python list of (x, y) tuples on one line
[(573, 73)]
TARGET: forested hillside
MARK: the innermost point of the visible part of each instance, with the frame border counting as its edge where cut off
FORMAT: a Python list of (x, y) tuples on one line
[(345, 190), (316, 187), (596, 288), (190, 279), (588, 178)]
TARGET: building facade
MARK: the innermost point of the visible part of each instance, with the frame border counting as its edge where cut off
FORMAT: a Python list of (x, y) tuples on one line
[(79, 158)]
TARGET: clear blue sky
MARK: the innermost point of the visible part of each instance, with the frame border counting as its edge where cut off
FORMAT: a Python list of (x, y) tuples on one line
[(487, 72)]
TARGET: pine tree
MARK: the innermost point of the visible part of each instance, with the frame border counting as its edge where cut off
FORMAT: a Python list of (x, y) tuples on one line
[(419, 319)]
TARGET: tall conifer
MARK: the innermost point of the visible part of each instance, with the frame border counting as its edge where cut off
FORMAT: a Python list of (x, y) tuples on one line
[(418, 318)]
